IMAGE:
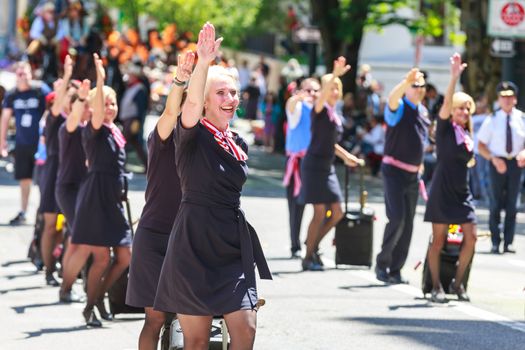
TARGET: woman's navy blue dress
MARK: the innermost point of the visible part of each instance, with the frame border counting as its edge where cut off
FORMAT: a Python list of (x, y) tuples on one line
[(48, 203), (99, 213), (319, 180), (450, 200), (163, 195), (209, 265)]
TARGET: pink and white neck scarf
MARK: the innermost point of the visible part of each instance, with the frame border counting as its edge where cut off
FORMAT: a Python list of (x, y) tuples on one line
[(463, 137), (334, 118), (117, 134), (225, 140)]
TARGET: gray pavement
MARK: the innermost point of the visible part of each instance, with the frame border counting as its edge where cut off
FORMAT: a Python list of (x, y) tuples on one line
[(341, 308)]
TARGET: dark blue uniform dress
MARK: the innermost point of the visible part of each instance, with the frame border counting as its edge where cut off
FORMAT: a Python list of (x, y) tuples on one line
[(209, 265), (71, 171), (99, 213), (450, 200), (319, 180), (48, 203), (163, 195)]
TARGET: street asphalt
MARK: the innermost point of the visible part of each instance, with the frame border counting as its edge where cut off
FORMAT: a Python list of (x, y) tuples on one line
[(343, 308)]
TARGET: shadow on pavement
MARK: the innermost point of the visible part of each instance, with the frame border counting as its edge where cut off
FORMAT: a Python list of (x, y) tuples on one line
[(20, 289), (15, 262), (25, 274), (22, 308), (53, 330), (365, 286)]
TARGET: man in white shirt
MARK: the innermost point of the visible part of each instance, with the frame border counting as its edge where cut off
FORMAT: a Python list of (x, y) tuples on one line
[(500, 139)]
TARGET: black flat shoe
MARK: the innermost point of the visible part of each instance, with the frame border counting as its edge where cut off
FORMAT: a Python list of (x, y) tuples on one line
[(509, 249), (90, 317), (494, 250), (459, 291), (101, 307), (381, 274), (51, 281), (396, 278)]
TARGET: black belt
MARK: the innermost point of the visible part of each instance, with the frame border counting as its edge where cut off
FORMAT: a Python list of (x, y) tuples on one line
[(251, 249)]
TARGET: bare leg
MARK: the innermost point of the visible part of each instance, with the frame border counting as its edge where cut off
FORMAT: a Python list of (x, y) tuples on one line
[(49, 239), (242, 326), (120, 264), (149, 336), (96, 271), (467, 251), (70, 250), (196, 331), (337, 215), (25, 190), (439, 235), (313, 229), (75, 262)]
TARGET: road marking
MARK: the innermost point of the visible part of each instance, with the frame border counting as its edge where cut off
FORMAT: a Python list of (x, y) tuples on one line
[(460, 306)]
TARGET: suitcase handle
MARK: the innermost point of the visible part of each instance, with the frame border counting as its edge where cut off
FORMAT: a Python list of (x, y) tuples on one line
[(363, 194)]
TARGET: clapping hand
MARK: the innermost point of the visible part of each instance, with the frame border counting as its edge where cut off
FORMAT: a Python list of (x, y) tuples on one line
[(185, 66), (57, 84), (340, 66), (207, 46), (68, 67), (83, 90), (99, 66), (456, 65)]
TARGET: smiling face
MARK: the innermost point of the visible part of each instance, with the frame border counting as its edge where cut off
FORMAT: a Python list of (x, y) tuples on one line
[(416, 92), (462, 109), (222, 100), (110, 108)]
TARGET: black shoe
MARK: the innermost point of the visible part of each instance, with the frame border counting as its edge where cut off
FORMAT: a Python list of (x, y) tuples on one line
[(296, 254), (51, 281), (19, 219), (101, 307), (509, 249), (70, 297), (310, 265), (382, 275), (90, 317), (459, 291), (317, 258), (395, 278), (438, 295), (495, 249)]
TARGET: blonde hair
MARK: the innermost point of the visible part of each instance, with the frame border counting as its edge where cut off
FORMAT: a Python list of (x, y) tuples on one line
[(325, 79), (459, 99), (217, 72), (107, 91)]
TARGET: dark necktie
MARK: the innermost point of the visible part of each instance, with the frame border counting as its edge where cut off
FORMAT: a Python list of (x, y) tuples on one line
[(508, 147)]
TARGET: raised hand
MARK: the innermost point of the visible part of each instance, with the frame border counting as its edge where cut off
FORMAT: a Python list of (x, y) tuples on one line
[(83, 90), (340, 66), (68, 67), (413, 76), (57, 84), (99, 66), (185, 66), (207, 46), (456, 65)]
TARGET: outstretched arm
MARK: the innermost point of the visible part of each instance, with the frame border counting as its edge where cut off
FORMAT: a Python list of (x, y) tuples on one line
[(60, 88), (97, 119), (79, 106), (347, 157), (456, 68), (168, 119), (6, 115), (399, 90), (207, 49), (340, 68)]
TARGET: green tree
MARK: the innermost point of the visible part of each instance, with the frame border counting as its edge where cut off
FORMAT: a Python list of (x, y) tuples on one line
[(231, 18)]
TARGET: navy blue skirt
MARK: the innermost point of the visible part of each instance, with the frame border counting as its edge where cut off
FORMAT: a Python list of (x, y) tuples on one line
[(319, 181)]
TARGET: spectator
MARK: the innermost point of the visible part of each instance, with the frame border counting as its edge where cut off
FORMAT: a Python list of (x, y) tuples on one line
[(75, 27), (479, 179), (251, 98), (244, 75), (271, 113), (373, 143), (433, 101), (27, 104)]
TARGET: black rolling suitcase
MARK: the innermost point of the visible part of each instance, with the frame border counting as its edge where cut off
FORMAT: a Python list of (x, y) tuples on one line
[(354, 233), (117, 292), (447, 266)]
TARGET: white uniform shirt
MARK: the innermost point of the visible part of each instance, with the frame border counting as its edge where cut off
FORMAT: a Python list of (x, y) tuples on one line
[(493, 133)]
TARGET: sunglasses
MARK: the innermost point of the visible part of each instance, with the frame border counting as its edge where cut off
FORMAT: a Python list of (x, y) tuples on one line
[(419, 86), (310, 90)]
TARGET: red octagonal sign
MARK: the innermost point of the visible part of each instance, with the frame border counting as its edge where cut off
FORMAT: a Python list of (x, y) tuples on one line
[(512, 13)]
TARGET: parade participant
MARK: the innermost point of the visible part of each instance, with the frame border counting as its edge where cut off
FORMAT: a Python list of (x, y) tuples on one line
[(450, 200), (64, 91), (298, 136), (163, 195), (27, 103), (209, 265), (500, 139), (407, 124), (71, 171), (320, 186), (100, 222)]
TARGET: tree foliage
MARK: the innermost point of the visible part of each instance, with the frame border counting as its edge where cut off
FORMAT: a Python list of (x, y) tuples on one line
[(231, 18)]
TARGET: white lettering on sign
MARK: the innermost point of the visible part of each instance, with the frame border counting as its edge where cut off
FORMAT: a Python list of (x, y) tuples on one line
[(506, 19)]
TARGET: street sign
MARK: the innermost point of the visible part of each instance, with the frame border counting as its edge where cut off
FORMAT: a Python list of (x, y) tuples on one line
[(310, 35), (502, 48), (506, 19)]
